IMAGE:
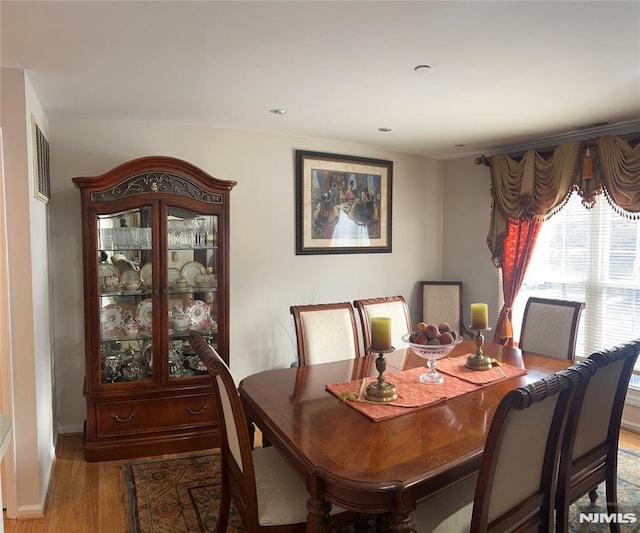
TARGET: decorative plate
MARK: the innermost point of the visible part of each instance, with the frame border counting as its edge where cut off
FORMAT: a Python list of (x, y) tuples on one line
[(144, 313), (198, 311), (191, 269), (145, 274), (206, 327), (130, 276), (173, 274), (111, 318), (107, 269)]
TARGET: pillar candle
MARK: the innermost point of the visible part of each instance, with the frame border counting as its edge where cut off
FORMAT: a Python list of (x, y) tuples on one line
[(381, 333), (479, 316)]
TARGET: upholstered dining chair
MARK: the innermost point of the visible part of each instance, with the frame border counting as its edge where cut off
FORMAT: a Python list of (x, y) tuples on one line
[(441, 301), (325, 332), (394, 307), (267, 493), (590, 453), (550, 326), (515, 487)]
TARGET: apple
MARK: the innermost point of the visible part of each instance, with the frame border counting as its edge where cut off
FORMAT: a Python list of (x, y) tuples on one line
[(443, 327), (446, 338)]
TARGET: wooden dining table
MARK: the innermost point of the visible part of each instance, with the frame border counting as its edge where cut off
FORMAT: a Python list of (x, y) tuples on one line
[(378, 467)]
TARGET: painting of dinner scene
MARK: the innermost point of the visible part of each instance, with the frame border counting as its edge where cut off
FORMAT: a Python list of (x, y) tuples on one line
[(343, 205)]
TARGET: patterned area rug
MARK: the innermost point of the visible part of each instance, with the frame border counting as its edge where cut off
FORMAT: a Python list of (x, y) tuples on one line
[(181, 495)]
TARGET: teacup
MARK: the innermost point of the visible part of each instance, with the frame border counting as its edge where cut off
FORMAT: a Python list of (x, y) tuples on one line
[(181, 321), (131, 285)]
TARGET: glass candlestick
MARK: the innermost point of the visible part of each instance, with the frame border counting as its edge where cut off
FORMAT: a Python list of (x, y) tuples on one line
[(380, 390), (479, 361)]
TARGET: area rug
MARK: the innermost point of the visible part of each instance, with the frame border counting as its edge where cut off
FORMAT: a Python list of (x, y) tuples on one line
[(181, 495)]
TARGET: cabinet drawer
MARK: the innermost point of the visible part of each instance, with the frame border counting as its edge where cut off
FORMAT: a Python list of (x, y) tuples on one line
[(138, 416)]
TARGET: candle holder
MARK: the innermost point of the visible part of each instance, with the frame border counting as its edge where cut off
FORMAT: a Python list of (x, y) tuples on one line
[(380, 390), (479, 361)]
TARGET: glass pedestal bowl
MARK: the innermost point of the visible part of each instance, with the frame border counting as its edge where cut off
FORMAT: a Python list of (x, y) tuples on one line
[(431, 352)]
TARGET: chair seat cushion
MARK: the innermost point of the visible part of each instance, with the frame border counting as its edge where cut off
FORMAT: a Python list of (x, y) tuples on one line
[(282, 496), (449, 511)]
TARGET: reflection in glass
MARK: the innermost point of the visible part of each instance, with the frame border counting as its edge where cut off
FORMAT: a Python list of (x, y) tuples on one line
[(192, 295)]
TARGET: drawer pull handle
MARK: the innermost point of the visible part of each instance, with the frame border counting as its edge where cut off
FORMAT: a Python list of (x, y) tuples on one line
[(118, 419), (196, 412)]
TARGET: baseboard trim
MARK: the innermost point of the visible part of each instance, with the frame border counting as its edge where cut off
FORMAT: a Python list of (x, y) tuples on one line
[(30, 512)]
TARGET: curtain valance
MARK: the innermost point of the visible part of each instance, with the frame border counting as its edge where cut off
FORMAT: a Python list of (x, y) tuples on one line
[(537, 186)]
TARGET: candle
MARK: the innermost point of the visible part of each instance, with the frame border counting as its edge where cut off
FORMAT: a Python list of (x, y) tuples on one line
[(380, 333), (479, 316)]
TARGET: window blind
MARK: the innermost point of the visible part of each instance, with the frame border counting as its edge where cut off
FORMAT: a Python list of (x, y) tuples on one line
[(589, 255)]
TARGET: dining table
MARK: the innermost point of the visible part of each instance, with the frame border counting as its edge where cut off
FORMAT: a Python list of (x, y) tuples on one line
[(382, 464)]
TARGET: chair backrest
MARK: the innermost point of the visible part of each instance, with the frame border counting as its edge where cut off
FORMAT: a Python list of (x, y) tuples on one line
[(593, 428), (518, 475), (394, 307), (236, 458), (550, 327), (441, 301), (325, 332)]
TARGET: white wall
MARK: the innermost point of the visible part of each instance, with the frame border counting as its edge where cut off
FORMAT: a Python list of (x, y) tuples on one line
[(28, 463), (466, 257), (38, 239), (266, 275)]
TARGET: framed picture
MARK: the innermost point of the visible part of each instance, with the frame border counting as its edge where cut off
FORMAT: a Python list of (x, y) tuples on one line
[(343, 204), (42, 179)]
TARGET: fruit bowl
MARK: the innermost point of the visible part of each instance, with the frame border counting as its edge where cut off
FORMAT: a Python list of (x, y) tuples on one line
[(431, 352)]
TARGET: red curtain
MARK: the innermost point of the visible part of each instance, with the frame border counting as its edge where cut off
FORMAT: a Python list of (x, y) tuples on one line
[(518, 245)]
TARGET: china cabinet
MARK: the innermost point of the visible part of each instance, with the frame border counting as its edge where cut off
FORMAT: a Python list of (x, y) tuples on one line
[(155, 236)]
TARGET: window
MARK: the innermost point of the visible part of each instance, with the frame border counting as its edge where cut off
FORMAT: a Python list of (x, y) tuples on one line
[(589, 255)]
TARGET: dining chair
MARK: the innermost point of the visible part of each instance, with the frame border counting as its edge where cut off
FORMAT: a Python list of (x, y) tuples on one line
[(325, 332), (550, 327), (441, 301), (590, 453), (515, 487), (267, 493), (394, 307)]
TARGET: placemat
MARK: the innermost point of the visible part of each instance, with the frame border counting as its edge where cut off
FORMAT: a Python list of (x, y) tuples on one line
[(454, 366), (411, 393)]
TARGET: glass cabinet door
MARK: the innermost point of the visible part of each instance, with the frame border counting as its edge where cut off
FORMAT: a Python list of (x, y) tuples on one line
[(192, 287), (124, 295)]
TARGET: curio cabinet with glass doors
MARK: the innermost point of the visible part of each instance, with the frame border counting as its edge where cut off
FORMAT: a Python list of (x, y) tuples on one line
[(155, 234)]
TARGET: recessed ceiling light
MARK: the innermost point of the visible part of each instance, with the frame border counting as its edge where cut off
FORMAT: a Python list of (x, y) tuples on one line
[(278, 111), (423, 69), (384, 130), (459, 145)]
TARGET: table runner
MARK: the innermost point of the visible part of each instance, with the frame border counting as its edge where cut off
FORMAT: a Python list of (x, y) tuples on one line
[(413, 395)]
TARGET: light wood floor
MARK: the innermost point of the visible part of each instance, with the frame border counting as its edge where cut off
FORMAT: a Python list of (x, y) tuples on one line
[(91, 497)]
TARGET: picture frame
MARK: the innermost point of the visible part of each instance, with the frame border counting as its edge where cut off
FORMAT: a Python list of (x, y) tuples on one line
[(41, 172), (343, 204)]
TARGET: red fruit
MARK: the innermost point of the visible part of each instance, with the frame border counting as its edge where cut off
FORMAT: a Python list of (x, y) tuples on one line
[(431, 331), (443, 327), (421, 338), (446, 338)]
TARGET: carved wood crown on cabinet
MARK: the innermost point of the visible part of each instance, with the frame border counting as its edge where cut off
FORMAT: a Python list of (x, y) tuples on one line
[(155, 234)]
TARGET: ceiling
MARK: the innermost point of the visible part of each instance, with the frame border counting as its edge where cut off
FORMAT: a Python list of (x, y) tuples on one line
[(502, 73)]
